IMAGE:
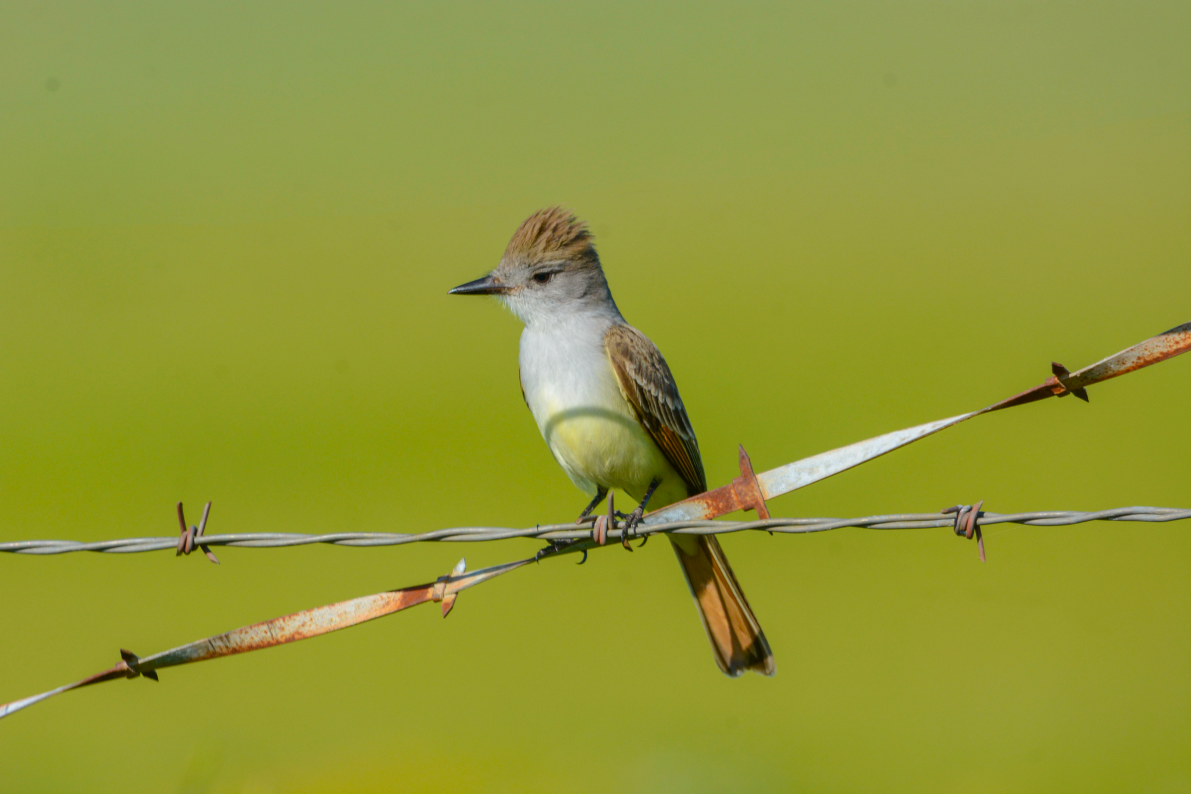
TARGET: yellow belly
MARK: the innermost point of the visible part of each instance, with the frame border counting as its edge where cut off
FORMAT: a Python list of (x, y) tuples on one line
[(603, 447)]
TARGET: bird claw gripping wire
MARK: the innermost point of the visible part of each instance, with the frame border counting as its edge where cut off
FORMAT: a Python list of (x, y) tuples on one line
[(192, 536), (967, 524), (629, 528), (557, 546)]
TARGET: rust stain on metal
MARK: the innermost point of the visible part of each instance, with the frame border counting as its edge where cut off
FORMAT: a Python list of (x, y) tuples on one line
[(1156, 349), (967, 523), (320, 620), (290, 628), (710, 504), (748, 490), (192, 536), (744, 493)]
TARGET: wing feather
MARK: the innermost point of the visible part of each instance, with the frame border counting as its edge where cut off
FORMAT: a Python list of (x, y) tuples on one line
[(646, 383)]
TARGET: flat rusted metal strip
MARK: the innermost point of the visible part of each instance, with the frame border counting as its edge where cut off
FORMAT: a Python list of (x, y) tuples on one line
[(286, 629), (790, 477), (1156, 349)]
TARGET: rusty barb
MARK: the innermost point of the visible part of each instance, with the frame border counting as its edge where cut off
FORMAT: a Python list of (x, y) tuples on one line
[(744, 493), (1062, 383), (748, 492), (966, 522), (192, 536)]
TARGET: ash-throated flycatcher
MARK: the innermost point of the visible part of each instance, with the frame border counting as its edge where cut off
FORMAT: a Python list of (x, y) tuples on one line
[(609, 410)]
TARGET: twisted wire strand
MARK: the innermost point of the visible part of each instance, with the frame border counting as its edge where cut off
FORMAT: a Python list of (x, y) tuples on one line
[(571, 531)]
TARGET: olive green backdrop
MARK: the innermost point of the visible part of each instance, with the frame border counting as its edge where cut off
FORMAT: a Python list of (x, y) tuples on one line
[(226, 236)]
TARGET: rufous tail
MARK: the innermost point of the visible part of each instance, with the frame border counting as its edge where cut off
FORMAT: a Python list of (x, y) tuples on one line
[(736, 638)]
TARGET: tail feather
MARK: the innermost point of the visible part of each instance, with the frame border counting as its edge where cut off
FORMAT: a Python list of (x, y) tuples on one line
[(736, 638)]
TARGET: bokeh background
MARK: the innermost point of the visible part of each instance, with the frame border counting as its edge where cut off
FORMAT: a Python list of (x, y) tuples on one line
[(226, 235)]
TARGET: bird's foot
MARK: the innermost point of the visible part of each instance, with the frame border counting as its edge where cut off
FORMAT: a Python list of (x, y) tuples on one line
[(549, 549), (556, 546), (631, 521)]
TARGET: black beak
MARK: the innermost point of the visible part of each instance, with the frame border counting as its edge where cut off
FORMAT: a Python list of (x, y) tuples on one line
[(485, 286)]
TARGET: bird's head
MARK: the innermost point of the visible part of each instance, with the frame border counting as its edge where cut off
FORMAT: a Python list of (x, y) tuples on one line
[(550, 266)]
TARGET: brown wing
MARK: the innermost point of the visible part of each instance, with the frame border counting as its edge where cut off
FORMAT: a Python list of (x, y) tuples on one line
[(646, 382)]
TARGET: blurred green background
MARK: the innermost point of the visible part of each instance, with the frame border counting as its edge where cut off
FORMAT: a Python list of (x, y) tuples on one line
[(226, 235)]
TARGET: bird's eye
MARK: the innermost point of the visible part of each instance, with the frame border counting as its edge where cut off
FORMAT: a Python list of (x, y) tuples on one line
[(542, 277)]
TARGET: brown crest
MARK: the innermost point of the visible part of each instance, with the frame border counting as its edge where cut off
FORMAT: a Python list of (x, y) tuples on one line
[(552, 234)]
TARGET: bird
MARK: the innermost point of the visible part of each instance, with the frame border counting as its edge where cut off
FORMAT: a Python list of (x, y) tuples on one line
[(608, 407)]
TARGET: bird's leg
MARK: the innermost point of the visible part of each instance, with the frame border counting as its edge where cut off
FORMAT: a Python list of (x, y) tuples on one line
[(591, 506), (633, 519), (599, 531)]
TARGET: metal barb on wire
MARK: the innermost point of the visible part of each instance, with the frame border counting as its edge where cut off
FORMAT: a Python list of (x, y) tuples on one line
[(603, 523), (966, 523), (194, 535), (1060, 374)]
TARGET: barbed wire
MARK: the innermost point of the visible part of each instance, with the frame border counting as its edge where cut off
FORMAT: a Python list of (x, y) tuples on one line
[(694, 515), (571, 531)]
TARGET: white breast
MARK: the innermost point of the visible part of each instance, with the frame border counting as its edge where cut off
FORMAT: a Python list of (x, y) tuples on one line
[(576, 401), (564, 369)]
